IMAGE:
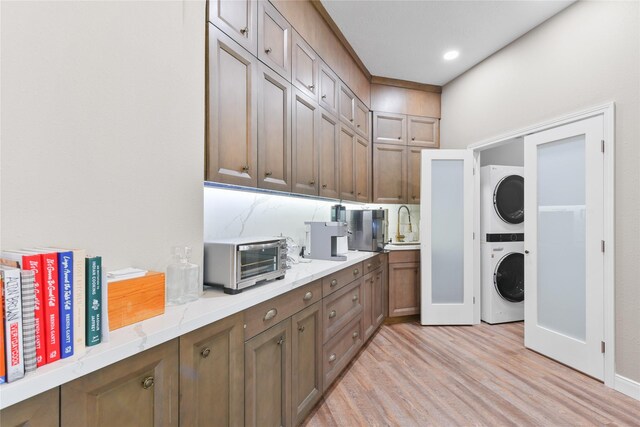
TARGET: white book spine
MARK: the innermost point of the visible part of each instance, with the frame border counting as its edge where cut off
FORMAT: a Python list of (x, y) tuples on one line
[(13, 323)]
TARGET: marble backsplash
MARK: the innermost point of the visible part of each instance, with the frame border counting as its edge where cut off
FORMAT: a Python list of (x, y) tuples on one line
[(235, 213)]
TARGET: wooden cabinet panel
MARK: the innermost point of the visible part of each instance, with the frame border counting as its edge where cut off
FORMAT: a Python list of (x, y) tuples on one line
[(340, 279), (424, 131), (139, 391), (373, 294), (362, 119), (238, 20), (346, 103), (305, 119), (367, 304), (413, 182), (268, 377), (389, 128), (378, 300), (338, 352), (274, 130), (340, 308), (389, 173), (305, 67), (347, 172), (233, 120), (274, 40), (42, 410), (404, 256), (362, 167), (329, 146), (329, 86), (404, 289), (306, 361), (212, 371)]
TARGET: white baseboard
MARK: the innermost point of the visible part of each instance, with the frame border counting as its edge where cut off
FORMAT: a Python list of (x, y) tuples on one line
[(626, 386)]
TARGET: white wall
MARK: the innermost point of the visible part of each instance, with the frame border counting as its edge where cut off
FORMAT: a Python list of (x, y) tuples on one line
[(103, 127), (587, 55), (509, 154)]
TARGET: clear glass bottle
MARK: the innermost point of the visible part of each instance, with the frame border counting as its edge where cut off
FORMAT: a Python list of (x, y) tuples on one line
[(182, 278)]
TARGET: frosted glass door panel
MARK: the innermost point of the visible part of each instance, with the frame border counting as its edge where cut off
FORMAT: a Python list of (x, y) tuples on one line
[(561, 237), (447, 225)]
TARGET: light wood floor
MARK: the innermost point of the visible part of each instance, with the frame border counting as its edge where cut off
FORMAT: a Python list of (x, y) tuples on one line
[(409, 375)]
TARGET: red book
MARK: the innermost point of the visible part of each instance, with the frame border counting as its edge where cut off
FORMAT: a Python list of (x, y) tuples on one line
[(51, 309), (31, 261)]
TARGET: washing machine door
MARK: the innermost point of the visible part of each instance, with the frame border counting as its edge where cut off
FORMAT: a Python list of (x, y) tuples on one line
[(508, 277), (508, 199)]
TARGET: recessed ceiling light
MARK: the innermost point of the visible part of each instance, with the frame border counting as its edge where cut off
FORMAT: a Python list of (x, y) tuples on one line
[(452, 54)]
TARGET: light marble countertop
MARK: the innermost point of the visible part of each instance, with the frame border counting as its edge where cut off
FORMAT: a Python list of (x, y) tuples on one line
[(179, 320)]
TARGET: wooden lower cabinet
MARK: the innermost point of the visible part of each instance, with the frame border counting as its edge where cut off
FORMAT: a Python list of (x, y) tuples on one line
[(41, 410), (139, 391), (340, 350), (373, 295), (404, 283), (267, 377), (212, 374)]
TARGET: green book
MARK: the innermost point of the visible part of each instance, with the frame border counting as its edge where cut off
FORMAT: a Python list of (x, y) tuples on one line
[(93, 306)]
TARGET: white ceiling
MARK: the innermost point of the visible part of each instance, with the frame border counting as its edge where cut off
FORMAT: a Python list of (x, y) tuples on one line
[(406, 39)]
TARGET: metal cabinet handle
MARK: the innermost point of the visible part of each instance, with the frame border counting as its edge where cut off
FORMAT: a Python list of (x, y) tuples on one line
[(352, 192), (324, 185), (147, 383), (413, 138), (281, 340), (413, 197), (526, 252), (311, 87), (312, 182), (332, 314), (369, 265), (356, 271), (399, 137), (332, 358), (270, 314), (351, 120), (359, 193), (205, 352), (324, 96), (308, 296), (399, 196), (354, 298), (267, 50), (357, 126), (268, 173), (333, 283), (355, 335), (244, 31), (245, 168)]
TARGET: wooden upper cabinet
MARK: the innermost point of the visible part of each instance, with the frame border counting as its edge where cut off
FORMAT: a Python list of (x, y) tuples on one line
[(329, 147), (347, 160), (238, 19), (274, 130), (362, 119), (328, 91), (424, 131), (139, 391), (346, 103), (413, 173), (305, 67), (389, 128), (362, 168), (389, 173), (233, 119), (42, 410), (274, 40), (305, 119)]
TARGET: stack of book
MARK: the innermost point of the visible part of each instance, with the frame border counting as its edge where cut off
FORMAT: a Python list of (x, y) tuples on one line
[(51, 307)]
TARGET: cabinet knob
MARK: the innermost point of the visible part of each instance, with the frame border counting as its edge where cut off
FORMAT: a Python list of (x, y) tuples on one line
[(332, 314), (324, 185), (526, 252), (413, 138), (312, 182), (359, 193), (324, 96), (268, 173), (245, 31), (205, 352), (357, 126), (245, 168), (267, 50), (355, 335), (333, 283), (399, 196), (354, 298), (301, 328), (147, 383), (413, 197), (356, 271), (311, 87), (369, 265), (399, 138), (351, 120), (352, 192), (281, 340), (270, 314), (308, 296), (332, 358)]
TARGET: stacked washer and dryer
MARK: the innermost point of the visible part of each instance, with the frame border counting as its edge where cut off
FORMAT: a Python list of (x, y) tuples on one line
[(502, 227)]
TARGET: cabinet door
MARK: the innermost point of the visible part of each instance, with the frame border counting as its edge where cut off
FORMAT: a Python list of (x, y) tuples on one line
[(237, 18), (267, 377), (306, 361), (347, 172), (346, 103), (328, 91), (329, 152), (378, 300), (274, 131), (367, 305), (424, 131), (305, 67), (212, 370), (232, 135), (305, 119), (362, 119), (362, 166), (139, 391), (41, 410), (389, 128), (404, 289), (413, 174), (274, 39), (389, 173)]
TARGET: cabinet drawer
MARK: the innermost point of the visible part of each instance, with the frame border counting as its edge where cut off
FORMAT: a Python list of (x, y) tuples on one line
[(341, 278), (338, 352), (404, 256), (340, 308), (263, 316), (372, 264)]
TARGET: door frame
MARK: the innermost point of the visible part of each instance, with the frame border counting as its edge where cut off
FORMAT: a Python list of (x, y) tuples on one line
[(607, 111)]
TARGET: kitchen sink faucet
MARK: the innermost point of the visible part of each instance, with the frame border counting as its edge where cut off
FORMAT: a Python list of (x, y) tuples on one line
[(400, 237)]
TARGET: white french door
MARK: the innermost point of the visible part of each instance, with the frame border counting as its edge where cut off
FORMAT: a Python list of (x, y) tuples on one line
[(564, 279), (446, 231)]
